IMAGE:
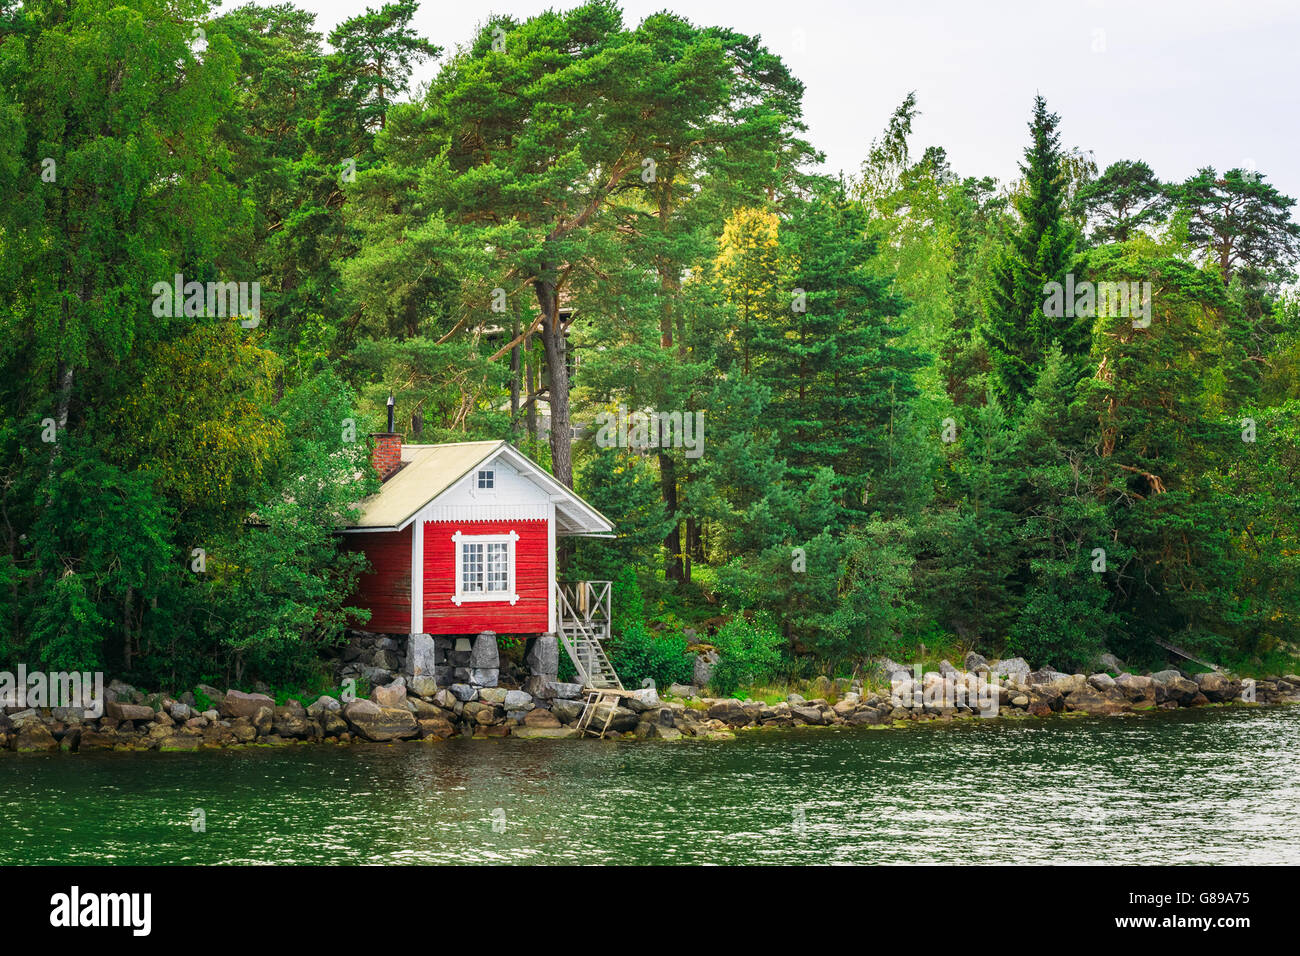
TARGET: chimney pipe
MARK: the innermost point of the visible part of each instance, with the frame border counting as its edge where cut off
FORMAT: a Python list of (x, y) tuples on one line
[(390, 413)]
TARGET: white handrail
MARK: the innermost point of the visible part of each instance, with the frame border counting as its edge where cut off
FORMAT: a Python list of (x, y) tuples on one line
[(589, 626)]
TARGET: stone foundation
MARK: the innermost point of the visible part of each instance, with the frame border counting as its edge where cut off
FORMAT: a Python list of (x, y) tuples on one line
[(474, 661)]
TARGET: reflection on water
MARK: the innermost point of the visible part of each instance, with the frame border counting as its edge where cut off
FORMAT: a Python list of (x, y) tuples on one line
[(1189, 787)]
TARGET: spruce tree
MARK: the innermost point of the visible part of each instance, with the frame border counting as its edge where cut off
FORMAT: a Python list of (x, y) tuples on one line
[(839, 378), (1017, 328)]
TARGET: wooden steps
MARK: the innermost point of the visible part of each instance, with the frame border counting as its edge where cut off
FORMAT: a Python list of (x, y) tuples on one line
[(583, 611), (591, 661)]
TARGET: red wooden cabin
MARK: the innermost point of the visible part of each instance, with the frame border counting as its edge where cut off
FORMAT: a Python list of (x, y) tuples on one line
[(461, 539)]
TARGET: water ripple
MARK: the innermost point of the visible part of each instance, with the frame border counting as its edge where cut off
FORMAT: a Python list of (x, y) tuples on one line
[(1192, 787)]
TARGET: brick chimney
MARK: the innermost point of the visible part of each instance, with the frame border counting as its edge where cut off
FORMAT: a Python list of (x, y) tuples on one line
[(386, 452)]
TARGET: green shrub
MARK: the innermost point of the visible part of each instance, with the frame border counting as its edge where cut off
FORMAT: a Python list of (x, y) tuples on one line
[(1065, 631), (748, 653), (638, 653), (567, 672)]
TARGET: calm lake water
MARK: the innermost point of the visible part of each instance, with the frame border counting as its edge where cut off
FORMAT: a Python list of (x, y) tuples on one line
[(1208, 786)]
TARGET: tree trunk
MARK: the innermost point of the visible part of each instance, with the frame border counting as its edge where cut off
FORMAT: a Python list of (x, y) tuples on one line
[(695, 540), (530, 376), (676, 564), (64, 399), (688, 556), (515, 369), (674, 569), (557, 396), (126, 628)]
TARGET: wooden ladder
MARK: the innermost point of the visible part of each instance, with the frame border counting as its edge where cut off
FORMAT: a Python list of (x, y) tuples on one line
[(596, 697)]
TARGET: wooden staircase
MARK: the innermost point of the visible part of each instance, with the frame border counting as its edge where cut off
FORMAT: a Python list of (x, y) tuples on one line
[(583, 613), (591, 662)]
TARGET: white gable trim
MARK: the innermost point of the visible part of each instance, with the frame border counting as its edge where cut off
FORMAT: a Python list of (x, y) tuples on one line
[(526, 511), (592, 521)]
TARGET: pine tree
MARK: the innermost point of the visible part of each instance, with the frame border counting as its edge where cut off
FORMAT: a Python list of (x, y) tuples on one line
[(1124, 199), (1242, 223)]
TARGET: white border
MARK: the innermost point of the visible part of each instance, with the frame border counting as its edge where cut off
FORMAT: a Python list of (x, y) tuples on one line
[(550, 567), (511, 595), (417, 578)]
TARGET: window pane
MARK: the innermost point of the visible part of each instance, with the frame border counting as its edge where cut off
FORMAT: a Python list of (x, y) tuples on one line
[(471, 567), (498, 567)]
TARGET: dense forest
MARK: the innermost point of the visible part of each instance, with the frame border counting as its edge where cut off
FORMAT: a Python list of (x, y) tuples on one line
[(1047, 417)]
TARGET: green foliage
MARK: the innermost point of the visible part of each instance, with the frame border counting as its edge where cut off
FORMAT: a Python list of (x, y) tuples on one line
[(1127, 197), (901, 444), (100, 546), (202, 701), (639, 653), (278, 586), (749, 652), (1242, 224), (1061, 624), (624, 488), (627, 602), (1018, 329)]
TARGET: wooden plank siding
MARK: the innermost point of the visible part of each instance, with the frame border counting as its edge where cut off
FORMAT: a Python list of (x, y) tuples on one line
[(386, 591), (529, 615)]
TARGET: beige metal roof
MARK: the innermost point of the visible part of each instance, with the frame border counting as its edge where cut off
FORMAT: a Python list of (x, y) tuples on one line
[(427, 471)]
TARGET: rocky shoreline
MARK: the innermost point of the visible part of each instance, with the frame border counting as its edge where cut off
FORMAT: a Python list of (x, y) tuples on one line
[(420, 707), (1009, 689)]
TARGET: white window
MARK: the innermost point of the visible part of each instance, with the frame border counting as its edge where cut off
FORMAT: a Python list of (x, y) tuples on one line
[(487, 479), (485, 567)]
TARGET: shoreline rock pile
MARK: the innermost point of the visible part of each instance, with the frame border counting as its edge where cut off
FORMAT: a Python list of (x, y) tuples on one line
[(445, 692), (950, 693)]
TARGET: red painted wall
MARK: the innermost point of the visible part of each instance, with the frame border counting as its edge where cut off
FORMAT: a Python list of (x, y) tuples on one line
[(529, 615), (386, 592)]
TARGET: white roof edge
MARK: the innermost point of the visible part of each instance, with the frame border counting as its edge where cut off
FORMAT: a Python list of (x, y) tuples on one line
[(594, 522)]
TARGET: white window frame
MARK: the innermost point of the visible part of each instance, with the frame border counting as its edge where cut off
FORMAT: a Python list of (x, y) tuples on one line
[(510, 594), (475, 491)]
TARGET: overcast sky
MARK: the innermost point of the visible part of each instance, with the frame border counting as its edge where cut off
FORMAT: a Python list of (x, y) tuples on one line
[(1178, 84)]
